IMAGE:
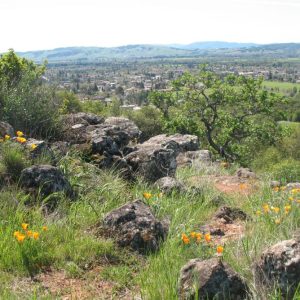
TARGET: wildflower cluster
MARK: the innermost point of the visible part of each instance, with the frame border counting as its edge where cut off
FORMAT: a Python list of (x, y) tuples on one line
[(25, 233), (19, 139), (198, 238), (149, 196), (277, 212)]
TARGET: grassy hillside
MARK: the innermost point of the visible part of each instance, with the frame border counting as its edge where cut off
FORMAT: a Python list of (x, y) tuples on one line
[(90, 54), (71, 258)]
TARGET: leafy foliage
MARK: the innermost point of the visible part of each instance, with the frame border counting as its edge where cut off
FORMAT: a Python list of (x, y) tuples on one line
[(234, 113), (25, 101)]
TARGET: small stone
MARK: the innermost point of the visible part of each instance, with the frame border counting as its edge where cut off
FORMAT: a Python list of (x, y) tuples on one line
[(168, 185)]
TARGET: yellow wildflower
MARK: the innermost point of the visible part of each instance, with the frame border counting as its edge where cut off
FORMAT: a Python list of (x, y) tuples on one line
[(276, 189), (147, 195), (24, 226), (16, 233), (258, 212), (207, 237), (33, 146), (275, 209), (295, 191), (291, 198), (20, 133), (21, 140), (35, 235), (266, 208), (185, 239), (193, 234), (243, 186), (287, 209), (20, 237), (198, 238), (44, 228), (7, 137), (277, 221), (29, 233), (220, 249)]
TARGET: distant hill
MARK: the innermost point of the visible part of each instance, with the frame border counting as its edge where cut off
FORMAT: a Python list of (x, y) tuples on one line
[(213, 45), (201, 49)]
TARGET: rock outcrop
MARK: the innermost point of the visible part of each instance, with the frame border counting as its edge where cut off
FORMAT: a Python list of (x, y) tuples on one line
[(156, 158), (6, 128), (196, 158), (44, 179), (210, 279), (135, 226), (279, 265), (245, 173)]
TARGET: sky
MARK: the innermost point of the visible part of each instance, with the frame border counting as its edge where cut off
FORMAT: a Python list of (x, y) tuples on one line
[(47, 24)]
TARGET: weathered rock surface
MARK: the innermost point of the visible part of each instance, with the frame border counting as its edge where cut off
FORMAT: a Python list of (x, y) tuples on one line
[(193, 158), (178, 142), (227, 224), (135, 226), (275, 184), (212, 278), (152, 162), (6, 128), (168, 185), (245, 173), (156, 158), (113, 135), (292, 185), (40, 144), (45, 179), (280, 265)]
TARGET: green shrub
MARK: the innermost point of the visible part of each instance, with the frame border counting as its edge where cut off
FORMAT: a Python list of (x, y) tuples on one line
[(70, 103), (148, 120), (13, 159), (286, 171)]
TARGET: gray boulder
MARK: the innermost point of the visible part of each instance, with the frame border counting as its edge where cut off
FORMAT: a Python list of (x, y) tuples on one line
[(156, 158), (245, 173), (44, 179), (178, 142), (152, 162), (194, 158), (168, 185), (6, 128), (210, 279), (135, 226), (292, 185), (275, 184), (279, 265), (113, 135)]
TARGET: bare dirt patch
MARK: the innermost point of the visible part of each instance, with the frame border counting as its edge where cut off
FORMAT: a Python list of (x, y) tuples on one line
[(57, 284), (227, 184)]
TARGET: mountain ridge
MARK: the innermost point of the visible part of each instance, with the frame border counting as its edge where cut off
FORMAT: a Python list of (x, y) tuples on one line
[(140, 51)]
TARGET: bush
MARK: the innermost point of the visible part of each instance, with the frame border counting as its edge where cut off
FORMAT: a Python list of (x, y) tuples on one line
[(286, 171), (70, 103), (13, 160), (148, 120)]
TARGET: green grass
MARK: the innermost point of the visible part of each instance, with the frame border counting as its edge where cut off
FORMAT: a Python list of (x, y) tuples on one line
[(73, 244), (283, 87)]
